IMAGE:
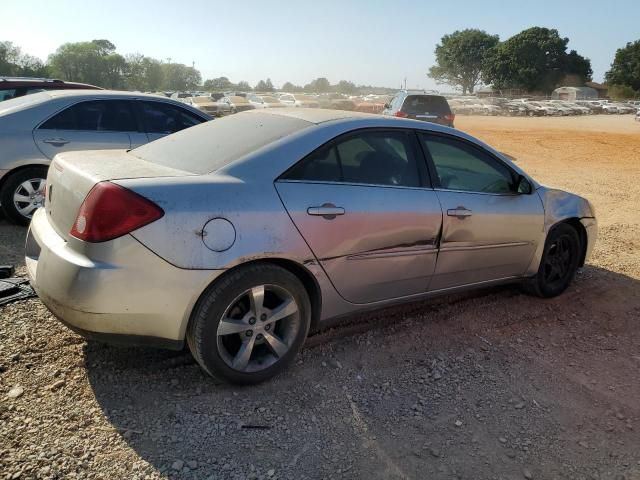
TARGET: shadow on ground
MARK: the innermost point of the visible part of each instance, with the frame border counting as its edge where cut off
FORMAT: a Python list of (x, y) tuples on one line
[(492, 384)]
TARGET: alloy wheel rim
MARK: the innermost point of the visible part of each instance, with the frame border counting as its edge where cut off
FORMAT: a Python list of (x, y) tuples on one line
[(558, 259), (258, 328), (29, 196)]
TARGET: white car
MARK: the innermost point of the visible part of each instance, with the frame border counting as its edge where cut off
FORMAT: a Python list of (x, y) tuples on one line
[(298, 100), (36, 127), (264, 101)]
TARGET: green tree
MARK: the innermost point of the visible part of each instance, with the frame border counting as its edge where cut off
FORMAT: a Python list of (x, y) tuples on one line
[(623, 92), (319, 85), (15, 63), (460, 58), (218, 84), (625, 69), (243, 86), (143, 73), (291, 88), (348, 88), (178, 76), (94, 62), (264, 86), (535, 59)]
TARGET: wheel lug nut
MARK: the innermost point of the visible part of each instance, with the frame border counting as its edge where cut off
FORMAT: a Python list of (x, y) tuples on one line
[(267, 327), (249, 333), (263, 317), (259, 336), (252, 320)]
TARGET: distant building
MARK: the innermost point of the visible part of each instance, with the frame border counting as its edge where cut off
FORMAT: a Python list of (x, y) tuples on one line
[(572, 94), (603, 90)]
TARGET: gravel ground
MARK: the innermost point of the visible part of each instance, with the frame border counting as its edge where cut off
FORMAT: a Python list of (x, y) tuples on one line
[(491, 384)]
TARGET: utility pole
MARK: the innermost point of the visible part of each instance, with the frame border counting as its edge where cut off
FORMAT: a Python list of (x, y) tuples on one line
[(405, 83)]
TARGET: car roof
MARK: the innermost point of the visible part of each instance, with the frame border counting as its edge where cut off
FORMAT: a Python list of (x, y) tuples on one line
[(96, 93)]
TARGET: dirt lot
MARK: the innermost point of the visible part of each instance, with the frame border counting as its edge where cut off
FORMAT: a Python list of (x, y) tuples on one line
[(488, 385)]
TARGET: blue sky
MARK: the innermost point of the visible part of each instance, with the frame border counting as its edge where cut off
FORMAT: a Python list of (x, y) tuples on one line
[(366, 41)]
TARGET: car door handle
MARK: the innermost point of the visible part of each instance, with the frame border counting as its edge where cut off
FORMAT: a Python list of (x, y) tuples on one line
[(328, 211), (459, 212), (56, 141)]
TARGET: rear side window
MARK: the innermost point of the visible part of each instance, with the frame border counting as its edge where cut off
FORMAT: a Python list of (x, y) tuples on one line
[(96, 116), (164, 118), (419, 104), (378, 158)]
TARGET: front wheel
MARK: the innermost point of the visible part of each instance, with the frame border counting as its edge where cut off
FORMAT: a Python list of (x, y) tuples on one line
[(559, 263), (249, 326), (22, 193)]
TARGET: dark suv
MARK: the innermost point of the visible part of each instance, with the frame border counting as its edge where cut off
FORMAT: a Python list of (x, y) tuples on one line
[(12, 87), (420, 106)]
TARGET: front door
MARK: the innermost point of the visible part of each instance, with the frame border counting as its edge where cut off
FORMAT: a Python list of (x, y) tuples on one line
[(363, 208), (490, 230), (89, 125)]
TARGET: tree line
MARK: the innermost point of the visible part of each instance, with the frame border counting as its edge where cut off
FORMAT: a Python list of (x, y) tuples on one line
[(535, 60), (97, 63)]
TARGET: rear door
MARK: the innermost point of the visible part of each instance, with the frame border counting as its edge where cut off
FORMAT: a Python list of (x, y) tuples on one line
[(490, 230), (87, 125), (428, 108), (161, 119), (364, 206)]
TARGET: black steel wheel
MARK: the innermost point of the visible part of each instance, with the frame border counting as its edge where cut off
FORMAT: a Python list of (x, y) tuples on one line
[(559, 263)]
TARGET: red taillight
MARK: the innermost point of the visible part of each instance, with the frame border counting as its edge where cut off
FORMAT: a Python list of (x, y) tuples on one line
[(110, 211), (450, 117), (400, 114)]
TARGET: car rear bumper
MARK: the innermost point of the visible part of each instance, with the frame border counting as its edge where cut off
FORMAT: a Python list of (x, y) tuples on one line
[(117, 291)]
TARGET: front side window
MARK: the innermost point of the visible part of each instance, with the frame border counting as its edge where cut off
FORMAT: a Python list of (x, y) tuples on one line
[(163, 118), (460, 166), (94, 116), (378, 158)]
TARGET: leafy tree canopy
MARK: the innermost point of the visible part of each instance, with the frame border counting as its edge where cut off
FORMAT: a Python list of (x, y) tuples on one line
[(460, 58), (535, 59), (625, 69)]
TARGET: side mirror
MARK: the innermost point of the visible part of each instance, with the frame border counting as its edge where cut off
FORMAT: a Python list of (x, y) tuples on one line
[(387, 105), (523, 186)]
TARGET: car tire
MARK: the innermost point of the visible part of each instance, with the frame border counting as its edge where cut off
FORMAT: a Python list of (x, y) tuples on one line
[(225, 324), (13, 185), (559, 263)]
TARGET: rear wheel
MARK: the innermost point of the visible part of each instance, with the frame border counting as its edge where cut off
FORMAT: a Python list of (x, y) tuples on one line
[(22, 193), (559, 263), (249, 326)]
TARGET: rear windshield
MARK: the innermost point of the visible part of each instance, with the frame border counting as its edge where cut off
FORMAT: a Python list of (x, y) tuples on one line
[(212, 145), (416, 104)]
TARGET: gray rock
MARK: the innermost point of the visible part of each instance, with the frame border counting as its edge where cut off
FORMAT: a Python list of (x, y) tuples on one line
[(15, 392), (271, 473), (177, 465), (526, 473), (333, 363), (192, 464)]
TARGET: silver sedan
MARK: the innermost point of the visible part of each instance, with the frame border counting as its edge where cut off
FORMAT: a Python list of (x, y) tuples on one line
[(242, 235)]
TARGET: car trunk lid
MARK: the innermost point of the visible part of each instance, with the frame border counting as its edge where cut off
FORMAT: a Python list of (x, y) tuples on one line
[(72, 175)]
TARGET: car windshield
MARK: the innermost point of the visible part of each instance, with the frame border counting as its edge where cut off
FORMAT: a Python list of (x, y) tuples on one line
[(213, 145)]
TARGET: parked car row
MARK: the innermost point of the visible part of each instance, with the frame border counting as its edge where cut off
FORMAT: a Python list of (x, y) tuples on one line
[(219, 104), (537, 108)]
